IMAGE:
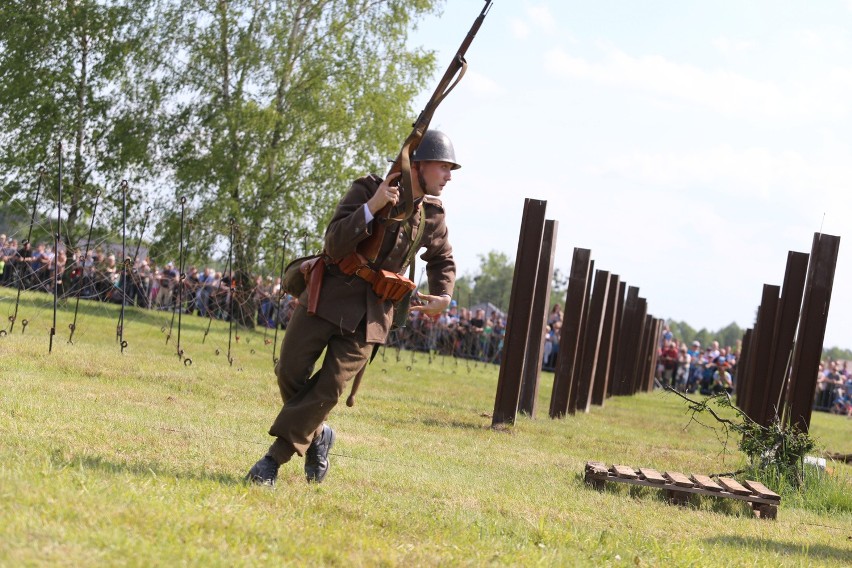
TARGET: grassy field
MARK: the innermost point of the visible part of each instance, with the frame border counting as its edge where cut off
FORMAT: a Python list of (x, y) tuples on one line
[(138, 459)]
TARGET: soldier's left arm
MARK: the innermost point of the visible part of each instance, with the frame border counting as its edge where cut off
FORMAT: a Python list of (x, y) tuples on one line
[(440, 265)]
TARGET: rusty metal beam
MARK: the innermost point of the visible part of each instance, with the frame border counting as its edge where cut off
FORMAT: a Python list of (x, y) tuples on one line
[(627, 343), (538, 320), (520, 309), (637, 376), (742, 377), (652, 354), (602, 369), (591, 344), (811, 335), (575, 300), (792, 292), (616, 333), (761, 354)]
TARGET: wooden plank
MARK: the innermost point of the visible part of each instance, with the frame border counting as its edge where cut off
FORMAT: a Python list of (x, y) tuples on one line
[(652, 475), (598, 468), (761, 490), (705, 482), (679, 479), (750, 498), (625, 471), (733, 486)]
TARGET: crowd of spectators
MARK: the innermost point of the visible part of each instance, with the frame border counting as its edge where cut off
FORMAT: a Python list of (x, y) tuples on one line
[(690, 369), (458, 332), (96, 275), (834, 388)]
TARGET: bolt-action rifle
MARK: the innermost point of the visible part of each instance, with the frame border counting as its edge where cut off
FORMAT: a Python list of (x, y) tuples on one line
[(370, 246)]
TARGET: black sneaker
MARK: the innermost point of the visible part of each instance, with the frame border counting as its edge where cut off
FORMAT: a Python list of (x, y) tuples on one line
[(264, 472), (316, 458)]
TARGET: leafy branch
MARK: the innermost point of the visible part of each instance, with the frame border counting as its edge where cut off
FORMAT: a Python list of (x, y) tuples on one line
[(775, 446)]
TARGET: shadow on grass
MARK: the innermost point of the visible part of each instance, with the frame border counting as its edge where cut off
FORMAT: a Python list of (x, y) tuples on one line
[(141, 469), (821, 551)]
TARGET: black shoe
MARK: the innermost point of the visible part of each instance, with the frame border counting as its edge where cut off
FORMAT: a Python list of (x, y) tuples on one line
[(316, 458), (264, 472)]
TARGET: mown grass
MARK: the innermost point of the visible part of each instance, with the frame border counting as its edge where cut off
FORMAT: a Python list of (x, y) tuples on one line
[(138, 459)]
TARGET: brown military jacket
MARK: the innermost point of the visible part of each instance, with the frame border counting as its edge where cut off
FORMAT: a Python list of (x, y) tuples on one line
[(345, 300)]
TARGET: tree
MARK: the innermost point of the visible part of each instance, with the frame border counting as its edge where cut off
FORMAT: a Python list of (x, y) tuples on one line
[(837, 354), (278, 105), (73, 73), (682, 331), (558, 289), (494, 281)]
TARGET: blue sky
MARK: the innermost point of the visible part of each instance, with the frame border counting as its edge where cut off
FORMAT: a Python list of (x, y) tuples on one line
[(688, 145)]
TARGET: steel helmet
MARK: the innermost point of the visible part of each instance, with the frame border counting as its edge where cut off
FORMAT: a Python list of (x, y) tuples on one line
[(435, 146)]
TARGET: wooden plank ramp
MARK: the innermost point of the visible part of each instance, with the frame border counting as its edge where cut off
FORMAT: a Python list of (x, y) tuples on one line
[(678, 487)]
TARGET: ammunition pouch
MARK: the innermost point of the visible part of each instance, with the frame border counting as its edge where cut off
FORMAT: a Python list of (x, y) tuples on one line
[(387, 285)]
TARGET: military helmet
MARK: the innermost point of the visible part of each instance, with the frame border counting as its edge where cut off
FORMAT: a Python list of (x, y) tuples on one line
[(435, 146)]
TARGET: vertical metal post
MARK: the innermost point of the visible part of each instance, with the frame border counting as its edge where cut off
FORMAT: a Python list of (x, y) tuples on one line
[(760, 355), (742, 378), (520, 307), (73, 325), (181, 274), (572, 321), (616, 332), (627, 343), (119, 329), (601, 379), (56, 244), (654, 329), (636, 367), (538, 320), (591, 343), (14, 317), (808, 353), (280, 294), (232, 224), (788, 319)]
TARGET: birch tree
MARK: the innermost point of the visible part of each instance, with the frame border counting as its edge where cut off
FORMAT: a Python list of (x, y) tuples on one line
[(278, 105), (73, 75)]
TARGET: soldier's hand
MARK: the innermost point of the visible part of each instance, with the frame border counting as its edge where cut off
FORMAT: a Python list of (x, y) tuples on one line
[(430, 305), (388, 193)]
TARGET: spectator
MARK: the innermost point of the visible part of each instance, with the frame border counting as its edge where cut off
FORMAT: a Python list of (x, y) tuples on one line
[(722, 380), (684, 364), (167, 279), (555, 315), (668, 359)]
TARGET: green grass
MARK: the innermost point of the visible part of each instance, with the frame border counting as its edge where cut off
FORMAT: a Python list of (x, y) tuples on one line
[(138, 459)]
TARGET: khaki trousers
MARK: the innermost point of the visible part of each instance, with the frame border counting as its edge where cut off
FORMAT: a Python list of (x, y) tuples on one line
[(309, 397)]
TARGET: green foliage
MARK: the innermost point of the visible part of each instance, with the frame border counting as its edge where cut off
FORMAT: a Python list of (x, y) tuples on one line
[(558, 288), (462, 292), (260, 113), (73, 74), (729, 336), (837, 354), (823, 491), (277, 106), (493, 283), (778, 449)]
